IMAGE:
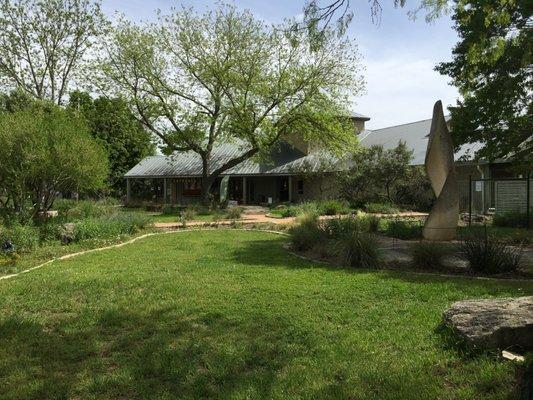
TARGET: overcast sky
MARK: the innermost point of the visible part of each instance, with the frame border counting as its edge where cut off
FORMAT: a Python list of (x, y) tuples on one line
[(398, 54)]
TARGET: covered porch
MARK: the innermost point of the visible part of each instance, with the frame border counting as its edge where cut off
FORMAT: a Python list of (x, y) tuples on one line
[(245, 190)]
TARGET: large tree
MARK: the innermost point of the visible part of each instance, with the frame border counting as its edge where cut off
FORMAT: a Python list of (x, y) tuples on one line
[(45, 150), (197, 81), (492, 67), (44, 43), (112, 123)]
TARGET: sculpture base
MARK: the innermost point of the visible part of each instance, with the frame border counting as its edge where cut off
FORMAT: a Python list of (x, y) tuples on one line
[(440, 234)]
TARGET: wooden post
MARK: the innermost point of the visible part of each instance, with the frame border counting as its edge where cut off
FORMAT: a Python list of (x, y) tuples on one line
[(290, 189), (164, 190), (244, 190), (128, 190)]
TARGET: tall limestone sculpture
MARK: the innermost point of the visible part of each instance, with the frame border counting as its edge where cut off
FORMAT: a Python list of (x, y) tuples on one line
[(441, 223)]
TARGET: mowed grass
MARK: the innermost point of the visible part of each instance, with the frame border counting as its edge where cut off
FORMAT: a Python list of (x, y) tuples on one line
[(230, 314)]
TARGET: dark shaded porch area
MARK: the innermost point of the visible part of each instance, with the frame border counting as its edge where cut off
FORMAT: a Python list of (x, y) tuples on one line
[(242, 189)]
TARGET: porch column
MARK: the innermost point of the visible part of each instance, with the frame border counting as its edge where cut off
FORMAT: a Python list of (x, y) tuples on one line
[(165, 190), (290, 189), (128, 190), (244, 190)]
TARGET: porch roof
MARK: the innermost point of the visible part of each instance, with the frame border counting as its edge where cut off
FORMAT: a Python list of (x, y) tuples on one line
[(189, 164)]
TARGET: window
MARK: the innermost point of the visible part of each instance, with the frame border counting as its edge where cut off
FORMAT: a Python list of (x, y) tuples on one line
[(192, 187), (300, 186)]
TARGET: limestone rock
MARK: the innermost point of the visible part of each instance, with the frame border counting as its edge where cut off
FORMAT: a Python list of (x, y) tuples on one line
[(493, 323)]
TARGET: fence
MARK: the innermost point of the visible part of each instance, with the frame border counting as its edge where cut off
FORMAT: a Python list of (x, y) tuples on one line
[(490, 196)]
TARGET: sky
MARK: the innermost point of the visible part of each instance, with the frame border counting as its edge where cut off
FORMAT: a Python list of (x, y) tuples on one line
[(398, 54)]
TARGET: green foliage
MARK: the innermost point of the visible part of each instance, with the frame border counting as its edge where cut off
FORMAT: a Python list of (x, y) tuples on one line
[(188, 213), (381, 208), (171, 209), (512, 220), (491, 66), (115, 127), (333, 207), (402, 229), (307, 233), (205, 79), (430, 255), (45, 150), (234, 212), (374, 174), (490, 256), (24, 237), (359, 249), (104, 228), (44, 43), (414, 191), (74, 210)]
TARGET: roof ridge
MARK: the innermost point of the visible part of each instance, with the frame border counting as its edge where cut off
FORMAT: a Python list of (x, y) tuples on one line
[(406, 123)]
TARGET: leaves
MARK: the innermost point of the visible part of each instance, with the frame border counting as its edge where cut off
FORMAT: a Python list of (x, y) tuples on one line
[(492, 67)]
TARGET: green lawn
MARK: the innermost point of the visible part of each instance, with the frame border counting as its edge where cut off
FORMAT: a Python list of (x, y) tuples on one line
[(229, 314)]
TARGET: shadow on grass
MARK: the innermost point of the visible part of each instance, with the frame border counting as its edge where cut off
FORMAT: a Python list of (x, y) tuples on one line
[(271, 253), (161, 354)]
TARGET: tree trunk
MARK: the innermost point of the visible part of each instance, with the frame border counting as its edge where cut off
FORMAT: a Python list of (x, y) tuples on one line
[(207, 183)]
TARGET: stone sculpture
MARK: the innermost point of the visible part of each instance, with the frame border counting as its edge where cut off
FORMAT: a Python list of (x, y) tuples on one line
[(441, 223)]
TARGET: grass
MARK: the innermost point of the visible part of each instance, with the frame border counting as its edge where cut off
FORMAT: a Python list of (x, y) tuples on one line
[(230, 314), (160, 217)]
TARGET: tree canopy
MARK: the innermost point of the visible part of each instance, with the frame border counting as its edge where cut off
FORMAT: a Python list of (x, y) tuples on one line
[(198, 80), (45, 150), (44, 43), (492, 67), (112, 123)]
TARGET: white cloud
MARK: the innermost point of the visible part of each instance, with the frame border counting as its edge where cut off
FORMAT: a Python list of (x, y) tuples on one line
[(402, 88)]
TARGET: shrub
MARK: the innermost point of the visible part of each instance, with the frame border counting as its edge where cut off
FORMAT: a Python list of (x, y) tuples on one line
[(289, 211), (402, 229), (333, 207), (430, 255), (234, 212), (511, 220), (485, 254), (170, 209), (188, 213), (372, 223), (72, 210), (381, 208), (359, 249), (105, 228), (306, 233), (339, 227), (24, 237)]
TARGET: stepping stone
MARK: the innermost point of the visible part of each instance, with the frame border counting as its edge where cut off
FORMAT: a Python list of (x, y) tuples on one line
[(493, 323)]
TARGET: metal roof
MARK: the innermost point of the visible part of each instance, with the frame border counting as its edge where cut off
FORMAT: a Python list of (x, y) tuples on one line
[(190, 164), (285, 159), (415, 135)]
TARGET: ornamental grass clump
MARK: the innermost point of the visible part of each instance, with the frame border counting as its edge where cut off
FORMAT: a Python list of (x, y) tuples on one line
[(307, 233), (487, 255), (234, 213), (359, 249), (430, 255)]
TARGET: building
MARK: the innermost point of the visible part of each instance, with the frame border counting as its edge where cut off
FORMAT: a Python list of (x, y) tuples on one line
[(177, 179)]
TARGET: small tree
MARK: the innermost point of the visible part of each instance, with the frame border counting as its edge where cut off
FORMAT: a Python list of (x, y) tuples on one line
[(43, 43), (197, 81), (112, 123), (43, 151), (374, 172)]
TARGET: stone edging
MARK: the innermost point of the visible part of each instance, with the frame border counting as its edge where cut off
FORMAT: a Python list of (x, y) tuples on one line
[(252, 230)]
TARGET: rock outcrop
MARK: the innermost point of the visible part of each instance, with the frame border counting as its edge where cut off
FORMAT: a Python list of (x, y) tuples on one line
[(493, 323)]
